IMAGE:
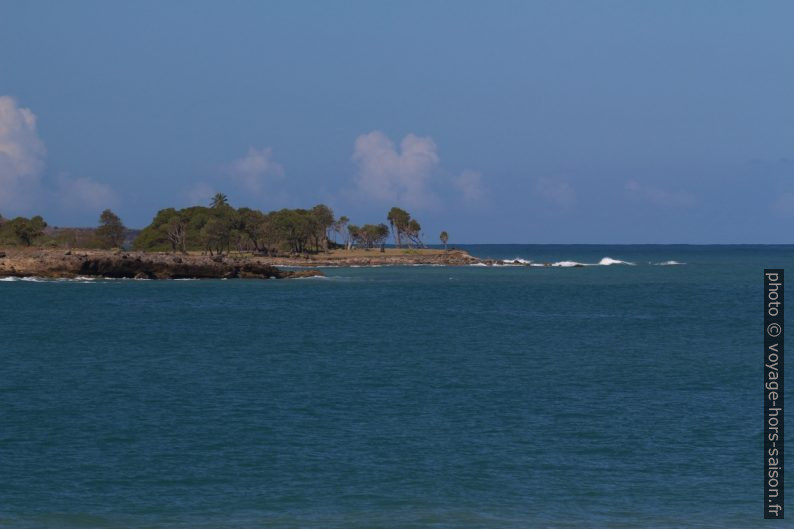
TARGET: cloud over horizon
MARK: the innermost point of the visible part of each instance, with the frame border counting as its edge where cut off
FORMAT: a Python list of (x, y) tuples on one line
[(388, 174), (408, 175), (79, 194), (257, 168), (253, 175), (469, 183), (22, 163), (22, 155)]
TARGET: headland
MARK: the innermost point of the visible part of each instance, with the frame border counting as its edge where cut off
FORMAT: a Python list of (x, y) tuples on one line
[(59, 263)]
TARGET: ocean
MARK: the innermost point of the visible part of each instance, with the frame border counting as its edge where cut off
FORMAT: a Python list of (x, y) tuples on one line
[(603, 396)]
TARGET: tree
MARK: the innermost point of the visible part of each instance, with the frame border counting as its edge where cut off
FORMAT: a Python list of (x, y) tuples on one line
[(398, 219), (220, 228), (26, 230), (176, 231), (250, 223), (111, 230), (294, 228), (412, 231), (352, 235), (444, 238), (215, 235), (322, 220), (369, 235), (219, 200)]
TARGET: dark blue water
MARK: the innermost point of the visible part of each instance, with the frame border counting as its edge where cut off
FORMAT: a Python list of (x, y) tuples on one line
[(508, 397)]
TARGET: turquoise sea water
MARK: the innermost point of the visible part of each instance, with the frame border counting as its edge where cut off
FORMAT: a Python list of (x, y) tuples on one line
[(447, 397)]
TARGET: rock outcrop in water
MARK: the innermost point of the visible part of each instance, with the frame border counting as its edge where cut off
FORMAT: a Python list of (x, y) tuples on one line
[(57, 263)]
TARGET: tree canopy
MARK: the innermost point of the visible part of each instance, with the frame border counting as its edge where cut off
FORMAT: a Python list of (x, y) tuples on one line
[(404, 228), (220, 228), (111, 230), (21, 230)]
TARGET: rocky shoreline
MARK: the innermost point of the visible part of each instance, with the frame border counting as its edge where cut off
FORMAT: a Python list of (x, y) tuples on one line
[(375, 258), (59, 263), (137, 265)]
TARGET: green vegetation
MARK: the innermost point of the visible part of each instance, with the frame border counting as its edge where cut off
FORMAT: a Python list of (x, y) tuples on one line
[(404, 227), (21, 231), (219, 200), (444, 238), (220, 228), (34, 231), (111, 231), (368, 235)]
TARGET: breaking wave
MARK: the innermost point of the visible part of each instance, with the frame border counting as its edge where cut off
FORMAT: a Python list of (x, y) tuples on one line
[(568, 264), (606, 261), (34, 279)]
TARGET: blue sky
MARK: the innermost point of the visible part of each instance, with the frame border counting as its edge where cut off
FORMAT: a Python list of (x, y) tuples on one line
[(569, 122)]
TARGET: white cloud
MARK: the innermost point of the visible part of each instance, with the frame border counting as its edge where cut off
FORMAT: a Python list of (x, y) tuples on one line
[(659, 197), (22, 161), (21, 155), (401, 176), (83, 194), (556, 191), (469, 183), (256, 169)]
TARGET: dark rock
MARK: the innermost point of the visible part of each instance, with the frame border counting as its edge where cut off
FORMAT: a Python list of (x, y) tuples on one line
[(177, 259), (294, 274)]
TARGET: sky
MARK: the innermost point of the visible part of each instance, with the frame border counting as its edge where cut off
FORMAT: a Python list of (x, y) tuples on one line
[(502, 122)]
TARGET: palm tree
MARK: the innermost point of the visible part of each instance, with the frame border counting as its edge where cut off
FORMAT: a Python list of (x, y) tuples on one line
[(444, 238), (398, 219), (218, 200)]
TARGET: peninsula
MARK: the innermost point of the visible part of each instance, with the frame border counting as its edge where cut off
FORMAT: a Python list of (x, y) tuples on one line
[(218, 241), (54, 263)]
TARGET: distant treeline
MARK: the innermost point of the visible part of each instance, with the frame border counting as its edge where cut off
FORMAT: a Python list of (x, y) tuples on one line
[(221, 228), (21, 231)]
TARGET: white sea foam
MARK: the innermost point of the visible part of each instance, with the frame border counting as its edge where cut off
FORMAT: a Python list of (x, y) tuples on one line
[(607, 261), (34, 279), (478, 264), (668, 263), (568, 264), (516, 261)]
